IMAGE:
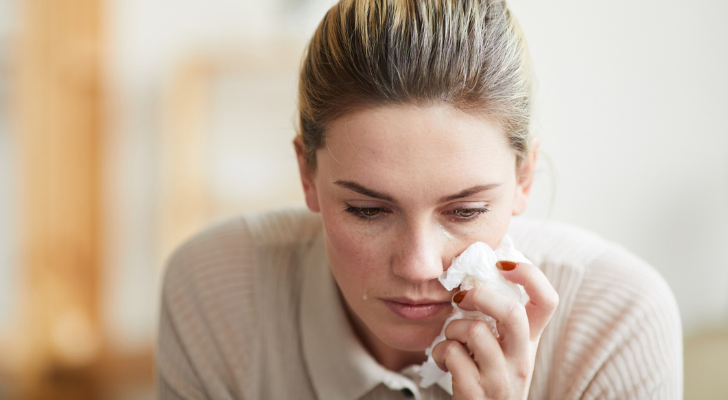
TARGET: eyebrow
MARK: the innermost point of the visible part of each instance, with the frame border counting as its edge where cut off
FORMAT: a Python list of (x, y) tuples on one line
[(470, 191), (363, 190), (383, 196)]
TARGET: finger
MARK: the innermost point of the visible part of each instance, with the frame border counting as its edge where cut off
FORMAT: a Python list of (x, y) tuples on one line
[(479, 339), (543, 298), (451, 355), (513, 326)]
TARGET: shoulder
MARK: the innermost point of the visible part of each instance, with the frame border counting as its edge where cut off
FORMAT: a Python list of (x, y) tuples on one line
[(226, 264), (552, 242), (625, 328), (216, 298), (278, 228), (588, 264), (617, 332), (599, 270), (230, 247)]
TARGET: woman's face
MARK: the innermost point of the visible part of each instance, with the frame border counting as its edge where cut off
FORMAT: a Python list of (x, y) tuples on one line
[(402, 190)]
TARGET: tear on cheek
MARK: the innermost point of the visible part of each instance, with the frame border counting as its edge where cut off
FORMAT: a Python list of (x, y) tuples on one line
[(445, 233)]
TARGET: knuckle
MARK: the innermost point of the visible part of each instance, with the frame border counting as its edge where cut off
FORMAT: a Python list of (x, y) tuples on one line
[(449, 349), (477, 331), (515, 314), (551, 301), (522, 371)]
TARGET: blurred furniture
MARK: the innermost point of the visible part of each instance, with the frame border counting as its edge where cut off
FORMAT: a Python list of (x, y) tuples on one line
[(228, 120), (60, 119), (228, 126), (58, 349)]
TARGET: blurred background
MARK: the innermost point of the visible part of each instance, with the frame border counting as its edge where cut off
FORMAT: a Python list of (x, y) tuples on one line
[(126, 125)]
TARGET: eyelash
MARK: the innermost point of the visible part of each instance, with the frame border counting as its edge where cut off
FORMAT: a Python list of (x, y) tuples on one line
[(359, 212)]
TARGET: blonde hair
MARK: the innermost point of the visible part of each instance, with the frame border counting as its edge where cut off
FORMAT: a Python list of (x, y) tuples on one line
[(470, 54)]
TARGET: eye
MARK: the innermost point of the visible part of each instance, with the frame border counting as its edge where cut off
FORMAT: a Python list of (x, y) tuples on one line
[(370, 212), (364, 212), (468, 213)]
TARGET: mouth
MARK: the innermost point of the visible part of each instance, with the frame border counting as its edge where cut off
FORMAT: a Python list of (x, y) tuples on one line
[(416, 309)]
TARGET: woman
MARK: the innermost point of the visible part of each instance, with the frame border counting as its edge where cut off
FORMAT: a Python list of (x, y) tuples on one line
[(414, 144)]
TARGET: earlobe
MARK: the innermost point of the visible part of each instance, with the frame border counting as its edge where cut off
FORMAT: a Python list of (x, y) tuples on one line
[(307, 181), (524, 178)]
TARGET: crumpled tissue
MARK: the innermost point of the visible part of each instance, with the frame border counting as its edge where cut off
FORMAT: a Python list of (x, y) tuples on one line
[(473, 267)]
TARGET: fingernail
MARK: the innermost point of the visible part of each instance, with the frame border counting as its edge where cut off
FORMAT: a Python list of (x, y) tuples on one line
[(506, 265), (459, 296)]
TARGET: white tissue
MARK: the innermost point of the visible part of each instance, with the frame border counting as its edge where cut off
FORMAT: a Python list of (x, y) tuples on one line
[(474, 267)]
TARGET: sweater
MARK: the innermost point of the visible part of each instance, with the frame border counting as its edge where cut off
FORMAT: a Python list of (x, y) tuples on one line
[(250, 310)]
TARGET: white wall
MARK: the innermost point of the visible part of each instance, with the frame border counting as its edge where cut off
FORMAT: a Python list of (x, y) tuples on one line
[(633, 97), (8, 17), (633, 105)]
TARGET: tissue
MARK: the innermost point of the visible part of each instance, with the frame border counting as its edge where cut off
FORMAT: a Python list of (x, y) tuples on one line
[(474, 267)]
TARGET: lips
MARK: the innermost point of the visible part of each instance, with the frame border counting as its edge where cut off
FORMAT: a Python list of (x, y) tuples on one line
[(416, 309)]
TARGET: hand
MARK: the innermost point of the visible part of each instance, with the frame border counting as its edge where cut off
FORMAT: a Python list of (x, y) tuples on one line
[(484, 367)]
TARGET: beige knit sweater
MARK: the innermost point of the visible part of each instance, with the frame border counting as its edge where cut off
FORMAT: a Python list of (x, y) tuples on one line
[(250, 311)]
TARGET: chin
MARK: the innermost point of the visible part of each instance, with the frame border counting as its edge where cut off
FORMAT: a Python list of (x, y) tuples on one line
[(411, 337)]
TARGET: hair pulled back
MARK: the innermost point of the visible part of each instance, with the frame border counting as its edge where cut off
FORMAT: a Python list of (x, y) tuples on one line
[(470, 54)]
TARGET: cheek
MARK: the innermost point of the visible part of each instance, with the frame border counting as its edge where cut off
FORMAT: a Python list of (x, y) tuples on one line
[(495, 223), (489, 228), (356, 254)]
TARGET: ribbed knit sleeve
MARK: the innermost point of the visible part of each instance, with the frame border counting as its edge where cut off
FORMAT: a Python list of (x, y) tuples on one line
[(622, 338), (208, 298), (229, 314), (616, 333)]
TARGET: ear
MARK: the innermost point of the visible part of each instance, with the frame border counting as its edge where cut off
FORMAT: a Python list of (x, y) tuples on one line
[(524, 178), (309, 186)]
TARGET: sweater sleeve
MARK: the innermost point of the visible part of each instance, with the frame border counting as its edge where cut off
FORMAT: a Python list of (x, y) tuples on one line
[(207, 329), (623, 338), (176, 378)]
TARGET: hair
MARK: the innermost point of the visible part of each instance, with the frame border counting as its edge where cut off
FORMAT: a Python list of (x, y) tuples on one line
[(470, 54)]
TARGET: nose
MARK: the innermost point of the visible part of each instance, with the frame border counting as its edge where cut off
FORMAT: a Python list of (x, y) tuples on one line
[(419, 255)]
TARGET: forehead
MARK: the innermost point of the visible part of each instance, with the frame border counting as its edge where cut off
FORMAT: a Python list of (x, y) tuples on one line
[(425, 146)]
